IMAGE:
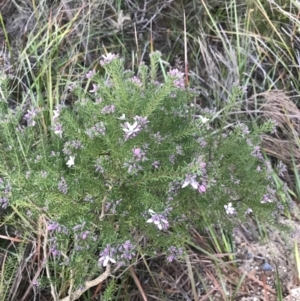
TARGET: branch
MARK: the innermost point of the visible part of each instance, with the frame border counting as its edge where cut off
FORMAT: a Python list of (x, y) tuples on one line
[(87, 285)]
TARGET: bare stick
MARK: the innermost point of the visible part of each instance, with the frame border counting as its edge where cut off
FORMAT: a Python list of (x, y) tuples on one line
[(87, 285), (53, 291)]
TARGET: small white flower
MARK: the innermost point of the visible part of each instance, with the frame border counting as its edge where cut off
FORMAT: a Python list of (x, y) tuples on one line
[(56, 114), (248, 211), (158, 220), (204, 119), (107, 260), (122, 117), (130, 129), (229, 209), (58, 130), (151, 212), (71, 161), (190, 180)]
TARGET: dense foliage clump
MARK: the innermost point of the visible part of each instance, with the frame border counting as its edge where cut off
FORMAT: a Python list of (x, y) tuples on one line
[(131, 167)]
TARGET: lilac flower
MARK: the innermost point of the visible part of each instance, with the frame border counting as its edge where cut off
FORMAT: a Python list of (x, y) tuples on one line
[(79, 226), (84, 234), (203, 167), (112, 206), (179, 150), (202, 188), (229, 209), (274, 126), (37, 159), (71, 161), (142, 121), (132, 167), (108, 83), (139, 155), (56, 227), (63, 186), (53, 247), (90, 74), (266, 199), (172, 158), (108, 109), (174, 253), (130, 130), (95, 89), (89, 198), (54, 154), (56, 113), (58, 130), (127, 250), (108, 58), (202, 142), (249, 142), (69, 146), (72, 87), (136, 81), (158, 139), (43, 174), (174, 187), (52, 226), (35, 283), (155, 53), (159, 220), (190, 180), (256, 153), (4, 202), (107, 256), (30, 116), (178, 76), (146, 146), (244, 128), (5, 190), (98, 166), (155, 164), (97, 130), (282, 169), (54, 251)]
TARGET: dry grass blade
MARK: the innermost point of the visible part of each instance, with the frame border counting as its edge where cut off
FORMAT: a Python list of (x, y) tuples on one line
[(137, 282), (284, 143), (191, 276)]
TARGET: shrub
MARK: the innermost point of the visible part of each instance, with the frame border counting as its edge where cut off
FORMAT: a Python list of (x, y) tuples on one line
[(130, 167)]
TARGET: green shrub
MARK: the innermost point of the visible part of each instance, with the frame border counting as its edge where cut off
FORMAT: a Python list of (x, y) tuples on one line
[(130, 167)]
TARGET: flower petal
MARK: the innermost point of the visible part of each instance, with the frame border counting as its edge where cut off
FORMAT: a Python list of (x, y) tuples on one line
[(194, 184), (151, 212), (185, 183), (105, 262), (112, 260)]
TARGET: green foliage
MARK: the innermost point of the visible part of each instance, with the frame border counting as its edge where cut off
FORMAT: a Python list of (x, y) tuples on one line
[(109, 291), (8, 272), (133, 158)]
